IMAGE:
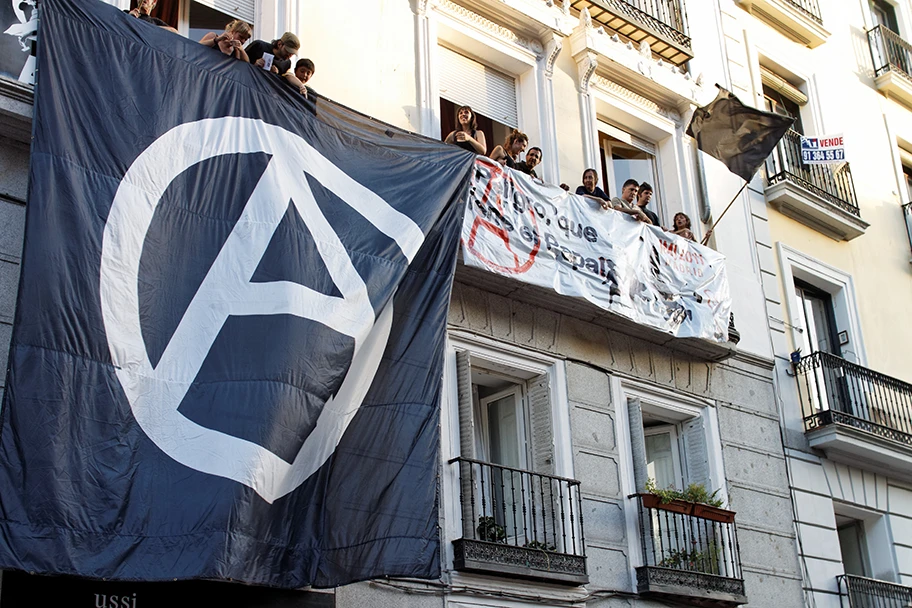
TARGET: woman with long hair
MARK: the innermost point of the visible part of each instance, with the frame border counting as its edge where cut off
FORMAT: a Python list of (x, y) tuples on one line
[(681, 226), (513, 146), (591, 189), (467, 135), (230, 42)]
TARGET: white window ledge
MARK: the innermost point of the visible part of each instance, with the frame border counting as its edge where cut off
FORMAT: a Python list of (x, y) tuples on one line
[(788, 19)]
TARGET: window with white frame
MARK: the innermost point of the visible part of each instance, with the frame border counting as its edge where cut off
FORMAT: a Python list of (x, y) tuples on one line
[(510, 458), (490, 93), (625, 156), (195, 18), (864, 542), (673, 444)]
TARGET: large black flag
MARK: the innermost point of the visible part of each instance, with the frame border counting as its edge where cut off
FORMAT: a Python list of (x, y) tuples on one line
[(227, 351), (739, 136)]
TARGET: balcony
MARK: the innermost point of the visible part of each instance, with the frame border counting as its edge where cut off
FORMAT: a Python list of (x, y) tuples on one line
[(662, 24), (868, 592), (855, 414), (819, 196), (520, 523), (892, 60), (690, 553), (797, 19)]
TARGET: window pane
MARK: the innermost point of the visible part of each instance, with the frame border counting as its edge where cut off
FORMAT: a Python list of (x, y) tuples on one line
[(660, 459), (503, 430), (204, 19)]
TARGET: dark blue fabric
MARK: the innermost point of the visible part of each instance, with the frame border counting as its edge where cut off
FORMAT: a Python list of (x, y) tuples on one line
[(83, 490)]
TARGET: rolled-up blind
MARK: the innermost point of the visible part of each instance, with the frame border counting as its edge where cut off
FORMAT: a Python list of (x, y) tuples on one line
[(240, 9), (467, 82)]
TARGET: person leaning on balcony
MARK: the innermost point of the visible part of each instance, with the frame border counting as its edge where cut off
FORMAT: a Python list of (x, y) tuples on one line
[(533, 157), (643, 197), (627, 201), (304, 69), (509, 152), (230, 42), (281, 49), (143, 12), (681, 226), (467, 135), (590, 188)]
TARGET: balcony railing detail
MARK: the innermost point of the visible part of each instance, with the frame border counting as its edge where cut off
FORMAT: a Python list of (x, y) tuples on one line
[(660, 22), (831, 182), (688, 550), (889, 52), (871, 593), (907, 216), (808, 8), (836, 391), (520, 522)]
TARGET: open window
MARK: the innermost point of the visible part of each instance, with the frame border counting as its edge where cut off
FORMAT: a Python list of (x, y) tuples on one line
[(195, 18), (625, 156), (489, 92), (513, 506)]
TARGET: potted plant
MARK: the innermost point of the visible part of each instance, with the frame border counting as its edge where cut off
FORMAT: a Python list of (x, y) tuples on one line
[(668, 499), (534, 544), (488, 529), (695, 500)]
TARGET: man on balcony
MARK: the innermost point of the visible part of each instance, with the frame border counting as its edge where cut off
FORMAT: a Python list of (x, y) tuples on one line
[(627, 202)]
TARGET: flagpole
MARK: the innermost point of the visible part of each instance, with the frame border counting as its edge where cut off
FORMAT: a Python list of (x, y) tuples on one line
[(716, 223)]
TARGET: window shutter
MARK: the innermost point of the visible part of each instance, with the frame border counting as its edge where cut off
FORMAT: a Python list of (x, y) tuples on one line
[(782, 86), (464, 81), (637, 443), (540, 423), (468, 472), (240, 9), (466, 408), (695, 452)]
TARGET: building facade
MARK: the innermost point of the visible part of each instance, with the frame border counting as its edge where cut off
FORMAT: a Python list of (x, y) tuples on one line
[(554, 414)]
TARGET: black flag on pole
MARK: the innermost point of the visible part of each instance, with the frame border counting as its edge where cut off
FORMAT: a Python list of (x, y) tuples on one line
[(739, 136), (228, 343)]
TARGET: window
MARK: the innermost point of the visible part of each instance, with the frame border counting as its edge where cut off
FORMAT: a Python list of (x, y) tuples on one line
[(505, 426), (506, 421), (624, 156), (852, 545), (815, 307), (782, 97), (490, 93), (884, 14), (195, 18)]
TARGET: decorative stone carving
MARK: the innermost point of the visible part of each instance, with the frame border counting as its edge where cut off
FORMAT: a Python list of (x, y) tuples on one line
[(645, 50), (467, 16), (586, 64), (585, 18), (647, 104), (552, 50)]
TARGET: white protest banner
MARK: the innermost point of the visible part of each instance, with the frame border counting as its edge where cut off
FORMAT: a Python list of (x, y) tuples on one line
[(537, 233), (822, 150)]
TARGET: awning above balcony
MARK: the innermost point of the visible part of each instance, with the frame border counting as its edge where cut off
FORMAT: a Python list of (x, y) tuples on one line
[(662, 24)]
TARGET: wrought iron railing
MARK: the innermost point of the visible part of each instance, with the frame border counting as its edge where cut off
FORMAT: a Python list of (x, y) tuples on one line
[(836, 391), (889, 52), (907, 216), (689, 545), (870, 593), (666, 16), (808, 8), (514, 517), (831, 182)]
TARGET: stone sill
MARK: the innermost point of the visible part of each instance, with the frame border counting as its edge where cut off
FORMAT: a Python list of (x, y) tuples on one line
[(787, 19), (814, 211), (846, 444), (895, 86), (697, 348)]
